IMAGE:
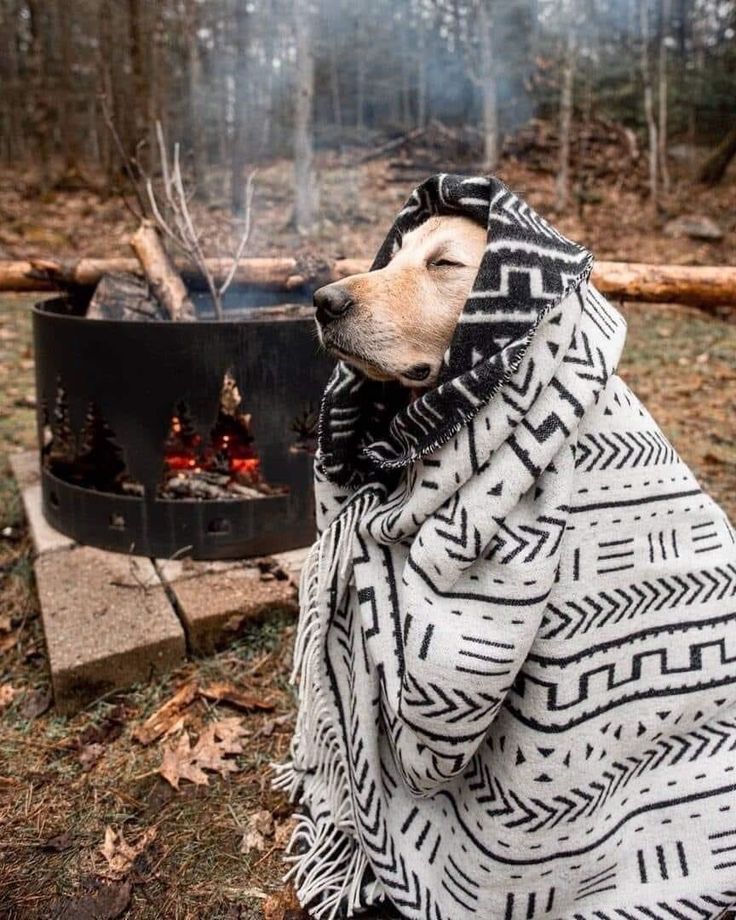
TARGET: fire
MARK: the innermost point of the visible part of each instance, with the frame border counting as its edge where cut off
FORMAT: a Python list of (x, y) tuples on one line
[(230, 451)]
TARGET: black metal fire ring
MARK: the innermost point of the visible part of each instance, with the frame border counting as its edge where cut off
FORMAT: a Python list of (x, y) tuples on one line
[(125, 381)]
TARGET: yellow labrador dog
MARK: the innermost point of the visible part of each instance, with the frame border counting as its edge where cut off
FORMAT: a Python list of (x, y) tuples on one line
[(397, 322)]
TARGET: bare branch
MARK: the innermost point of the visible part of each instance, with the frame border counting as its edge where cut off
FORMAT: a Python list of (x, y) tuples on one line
[(246, 234), (126, 161)]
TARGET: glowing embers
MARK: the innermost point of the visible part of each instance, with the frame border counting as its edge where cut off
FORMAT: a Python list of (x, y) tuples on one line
[(94, 460), (227, 466)]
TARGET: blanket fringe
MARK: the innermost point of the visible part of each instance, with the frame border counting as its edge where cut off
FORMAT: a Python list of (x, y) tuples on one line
[(329, 863)]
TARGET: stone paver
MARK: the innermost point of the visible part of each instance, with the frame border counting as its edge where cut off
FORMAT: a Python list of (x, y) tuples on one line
[(215, 601), (112, 620), (108, 623), (27, 475)]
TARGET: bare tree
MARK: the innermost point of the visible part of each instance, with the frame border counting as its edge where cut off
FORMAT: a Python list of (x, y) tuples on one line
[(646, 73), (562, 185), (484, 76), (305, 179), (240, 95), (665, 11)]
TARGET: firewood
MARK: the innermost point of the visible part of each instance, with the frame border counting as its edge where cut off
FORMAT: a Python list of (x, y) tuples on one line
[(124, 297), (161, 273)]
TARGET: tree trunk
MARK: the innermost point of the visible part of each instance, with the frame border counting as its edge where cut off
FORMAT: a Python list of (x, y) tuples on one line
[(421, 77), (240, 93), (562, 185), (489, 90), (649, 105), (665, 10), (714, 167), (305, 182), (195, 127)]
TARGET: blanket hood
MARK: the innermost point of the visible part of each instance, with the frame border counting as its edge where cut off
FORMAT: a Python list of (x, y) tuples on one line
[(368, 428)]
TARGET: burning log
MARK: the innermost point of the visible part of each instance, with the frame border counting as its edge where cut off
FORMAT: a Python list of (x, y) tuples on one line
[(161, 273)]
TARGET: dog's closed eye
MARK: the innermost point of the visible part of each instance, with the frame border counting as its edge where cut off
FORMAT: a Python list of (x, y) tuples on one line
[(444, 263)]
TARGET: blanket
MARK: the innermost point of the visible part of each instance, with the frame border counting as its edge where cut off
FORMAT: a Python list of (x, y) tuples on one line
[(516, 655)]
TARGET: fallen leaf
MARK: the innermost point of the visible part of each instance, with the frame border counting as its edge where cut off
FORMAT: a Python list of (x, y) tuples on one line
[(282, 904), (161, 721), (34, 704), (119, 854), (7, 695), (260, 826), (7, 642), (89, 755), (107, 902), (229, 693), (215, 743), (284, 831), (6, 623)]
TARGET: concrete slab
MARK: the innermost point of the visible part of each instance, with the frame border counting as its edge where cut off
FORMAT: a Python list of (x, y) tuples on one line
[(108, 623), (27, 474), (216, 603)]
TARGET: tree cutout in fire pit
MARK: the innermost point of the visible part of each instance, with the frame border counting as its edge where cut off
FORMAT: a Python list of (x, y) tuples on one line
[(304, 427), (95, 461), (226, 467), (59, 443)]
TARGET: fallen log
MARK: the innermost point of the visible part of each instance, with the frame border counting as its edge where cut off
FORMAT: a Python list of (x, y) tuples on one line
[(700, 286), (696, 285)]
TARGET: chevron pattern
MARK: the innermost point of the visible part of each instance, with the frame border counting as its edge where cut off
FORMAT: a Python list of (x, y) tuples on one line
[(517, 645)]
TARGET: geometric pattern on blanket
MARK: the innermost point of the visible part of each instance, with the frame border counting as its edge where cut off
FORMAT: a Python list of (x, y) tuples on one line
[(517, 659)]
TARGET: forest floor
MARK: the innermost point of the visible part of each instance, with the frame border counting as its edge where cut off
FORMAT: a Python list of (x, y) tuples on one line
[(357, 205), (67, 783)]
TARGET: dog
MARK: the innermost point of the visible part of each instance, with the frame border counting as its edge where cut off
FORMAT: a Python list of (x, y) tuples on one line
[(516, 638), (396, 323)]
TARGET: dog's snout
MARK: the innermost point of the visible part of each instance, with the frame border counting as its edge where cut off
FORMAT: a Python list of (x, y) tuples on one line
[(332, 302)]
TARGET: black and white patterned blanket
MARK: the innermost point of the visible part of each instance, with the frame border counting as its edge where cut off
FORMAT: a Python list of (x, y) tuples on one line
[(517, 646)]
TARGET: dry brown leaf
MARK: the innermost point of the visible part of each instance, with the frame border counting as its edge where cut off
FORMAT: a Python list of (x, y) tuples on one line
[(229, 693), (162, 720), (283, 904), (8, 641), (119, 854), (260, 826), (89, 755), (284, 831), (7, 695), (215, 743)]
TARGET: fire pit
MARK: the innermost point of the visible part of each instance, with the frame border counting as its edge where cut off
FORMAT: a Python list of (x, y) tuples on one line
[(179, 439)]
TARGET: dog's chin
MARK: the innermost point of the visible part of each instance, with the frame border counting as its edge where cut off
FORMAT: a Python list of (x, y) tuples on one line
[(376, 369), (371, 370)]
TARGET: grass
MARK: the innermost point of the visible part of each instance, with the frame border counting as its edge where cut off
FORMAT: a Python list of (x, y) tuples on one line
[(54, 809)]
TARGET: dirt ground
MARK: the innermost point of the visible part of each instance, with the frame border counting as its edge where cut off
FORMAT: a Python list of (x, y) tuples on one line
[(70, 786)]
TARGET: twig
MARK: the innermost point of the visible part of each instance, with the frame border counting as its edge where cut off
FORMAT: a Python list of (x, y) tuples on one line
[(176, 223), (127, 162), (246, 234)]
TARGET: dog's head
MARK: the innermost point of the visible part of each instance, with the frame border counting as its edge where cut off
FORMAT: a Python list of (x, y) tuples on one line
[(396, 323)]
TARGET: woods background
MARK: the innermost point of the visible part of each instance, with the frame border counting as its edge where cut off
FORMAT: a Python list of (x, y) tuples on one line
[(244, 83)]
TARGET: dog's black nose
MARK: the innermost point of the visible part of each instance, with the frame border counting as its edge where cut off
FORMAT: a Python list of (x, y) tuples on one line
[(332, 302)]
